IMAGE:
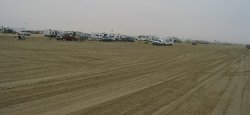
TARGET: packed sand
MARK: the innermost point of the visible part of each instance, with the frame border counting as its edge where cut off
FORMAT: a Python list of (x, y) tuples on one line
[(44, 76)]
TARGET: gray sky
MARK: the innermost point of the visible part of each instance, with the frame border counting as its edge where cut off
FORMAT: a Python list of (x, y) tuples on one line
[(224, 20)]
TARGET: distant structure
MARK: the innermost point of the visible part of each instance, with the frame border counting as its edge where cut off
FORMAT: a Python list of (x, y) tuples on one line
[(7, 29), (19, 30), (1, 28)]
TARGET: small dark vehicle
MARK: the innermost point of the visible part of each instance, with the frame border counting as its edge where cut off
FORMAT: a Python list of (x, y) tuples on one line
[(248, 46), (68, 37), (128, 39), (194, 42)]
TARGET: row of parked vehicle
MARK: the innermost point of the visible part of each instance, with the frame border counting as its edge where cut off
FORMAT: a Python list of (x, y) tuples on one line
[(79, 36)]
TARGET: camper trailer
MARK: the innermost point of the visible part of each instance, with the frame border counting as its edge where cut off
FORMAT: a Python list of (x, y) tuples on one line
[(84, 36), (108, 37), (96, 36), (147, 38), (51, 33), (118, 37)]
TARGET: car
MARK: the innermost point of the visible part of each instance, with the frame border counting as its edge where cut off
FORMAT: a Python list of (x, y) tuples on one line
[(164, 41), (159, 42), (69, 37), (128, 39)]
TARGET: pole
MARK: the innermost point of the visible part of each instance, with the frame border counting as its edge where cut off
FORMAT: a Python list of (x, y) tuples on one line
[(24, 28)]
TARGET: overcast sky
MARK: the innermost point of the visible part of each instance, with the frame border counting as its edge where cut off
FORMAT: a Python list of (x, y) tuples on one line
[(224, 20)]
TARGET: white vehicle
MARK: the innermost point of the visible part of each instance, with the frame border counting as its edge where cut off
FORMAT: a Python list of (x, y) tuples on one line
[(147, 38), (108, 37), (164, 41), (96, 35), (119, 36), (51, 33)]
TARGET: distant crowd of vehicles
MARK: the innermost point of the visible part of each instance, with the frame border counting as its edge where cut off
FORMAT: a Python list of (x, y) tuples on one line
[(22, 34), (80, 36), (108, 37)]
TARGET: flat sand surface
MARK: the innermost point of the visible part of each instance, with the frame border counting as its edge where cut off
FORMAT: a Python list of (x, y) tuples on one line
[(48, 77)]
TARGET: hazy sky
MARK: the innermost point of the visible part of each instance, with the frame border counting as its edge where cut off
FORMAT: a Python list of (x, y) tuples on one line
[(224, 20)]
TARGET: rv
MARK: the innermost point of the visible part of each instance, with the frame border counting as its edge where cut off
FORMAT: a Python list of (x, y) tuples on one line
[(147, 38), (51, 33), (96, 35), (84, 36), (119, 37), (108, 37)]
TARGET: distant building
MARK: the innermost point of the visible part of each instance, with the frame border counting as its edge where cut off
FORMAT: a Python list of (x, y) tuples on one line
[(19, 30), (7, 29)]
